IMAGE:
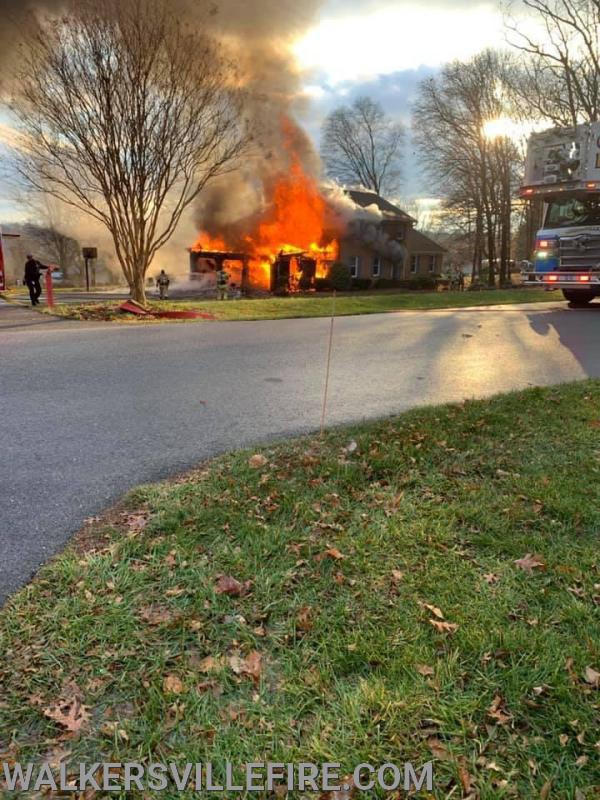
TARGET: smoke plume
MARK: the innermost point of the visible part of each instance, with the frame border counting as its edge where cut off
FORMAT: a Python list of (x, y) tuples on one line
[(256, 36)]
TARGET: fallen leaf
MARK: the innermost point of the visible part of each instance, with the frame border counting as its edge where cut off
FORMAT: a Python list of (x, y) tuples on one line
[(333, 552), (425, 670), (172, 685), (347, 790), (397, 575), (438, 750), (208, 664), (70, 714), (351, 447), (250, 666), (443, 627), (155, 615), (592, 677), (304, 620), (110, 728), (434, 610), (530, 561), (595, 423), (493, 766), (257, 461), (210, 686), (497, 711), (176, 591), (137, 522), (563, 739), (253, 664), (228, 585), (466, 780), (582, 761), (545, 791), (491, 577)]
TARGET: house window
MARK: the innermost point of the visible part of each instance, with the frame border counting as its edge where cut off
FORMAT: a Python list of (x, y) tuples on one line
[(431, 263), (354, 265), (376, 266), (414, 264)]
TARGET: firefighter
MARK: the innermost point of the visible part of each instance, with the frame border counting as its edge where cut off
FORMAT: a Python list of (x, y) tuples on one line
[(222, 280), (162, 281), (32, 279)]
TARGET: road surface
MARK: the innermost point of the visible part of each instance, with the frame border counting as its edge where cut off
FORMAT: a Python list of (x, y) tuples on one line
[(89, 410)]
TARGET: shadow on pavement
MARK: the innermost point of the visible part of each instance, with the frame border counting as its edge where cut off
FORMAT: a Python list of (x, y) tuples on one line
[(568, 325)]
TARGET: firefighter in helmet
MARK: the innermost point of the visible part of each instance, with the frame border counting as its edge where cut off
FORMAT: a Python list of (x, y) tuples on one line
[(222, 281), (163, 281)]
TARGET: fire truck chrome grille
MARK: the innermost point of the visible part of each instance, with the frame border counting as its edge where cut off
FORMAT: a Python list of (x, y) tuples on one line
[(580, 252)]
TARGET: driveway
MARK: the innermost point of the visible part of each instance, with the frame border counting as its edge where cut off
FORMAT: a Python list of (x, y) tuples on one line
[(90, 410)]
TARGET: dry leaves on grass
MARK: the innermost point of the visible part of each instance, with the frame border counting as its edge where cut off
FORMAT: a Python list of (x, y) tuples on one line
[(497, 711), (304, 619), (227, 585), (443, 627), (156, 615), (530, 561), (257, 461), (172, 684), (70, 714), (466, 779), (438, 749), (397, 576), (434, 609), (331, 552), (347, 790), (425, 670), (250, 667), (136, 522), (592, 677)]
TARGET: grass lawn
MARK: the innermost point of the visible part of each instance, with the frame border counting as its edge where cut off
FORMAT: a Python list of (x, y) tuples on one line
[(319, 306), (421, 588)]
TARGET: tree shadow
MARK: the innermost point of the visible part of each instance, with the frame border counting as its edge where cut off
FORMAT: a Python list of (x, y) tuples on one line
[(578, 330)]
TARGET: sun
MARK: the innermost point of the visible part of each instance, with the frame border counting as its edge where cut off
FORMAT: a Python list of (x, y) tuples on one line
[(501, 128)]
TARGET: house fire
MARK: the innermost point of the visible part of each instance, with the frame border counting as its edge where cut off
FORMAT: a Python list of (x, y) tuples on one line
[(303, 229), (285, 247)]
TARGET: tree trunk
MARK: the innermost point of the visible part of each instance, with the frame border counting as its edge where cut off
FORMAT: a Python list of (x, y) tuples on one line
[(138, 288)]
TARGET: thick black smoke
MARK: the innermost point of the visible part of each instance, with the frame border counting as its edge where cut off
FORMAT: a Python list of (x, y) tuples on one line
[(256, 36)]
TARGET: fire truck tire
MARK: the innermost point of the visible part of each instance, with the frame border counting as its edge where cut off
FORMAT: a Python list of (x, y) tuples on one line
[(579, 297)]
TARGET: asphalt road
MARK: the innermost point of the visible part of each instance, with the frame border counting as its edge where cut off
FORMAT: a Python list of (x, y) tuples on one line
[(89, 410)]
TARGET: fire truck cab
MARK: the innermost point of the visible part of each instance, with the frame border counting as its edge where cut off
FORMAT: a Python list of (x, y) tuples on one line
[(563, 170)]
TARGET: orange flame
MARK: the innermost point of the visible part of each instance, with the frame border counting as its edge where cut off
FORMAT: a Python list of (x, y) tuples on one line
[(294, 222)]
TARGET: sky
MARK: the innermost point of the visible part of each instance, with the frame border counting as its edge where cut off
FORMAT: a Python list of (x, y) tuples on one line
[(383, 49)]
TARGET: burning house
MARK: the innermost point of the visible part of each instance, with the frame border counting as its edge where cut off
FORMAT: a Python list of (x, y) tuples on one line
[(306, 229), (283, 244)]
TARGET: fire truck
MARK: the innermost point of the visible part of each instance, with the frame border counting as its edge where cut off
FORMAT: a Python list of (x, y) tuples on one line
[(562, 170)]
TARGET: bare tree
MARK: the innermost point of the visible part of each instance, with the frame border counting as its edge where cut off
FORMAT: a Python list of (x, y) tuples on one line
[(560, 78), (361, 145), (477, 172), (127, 115)]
